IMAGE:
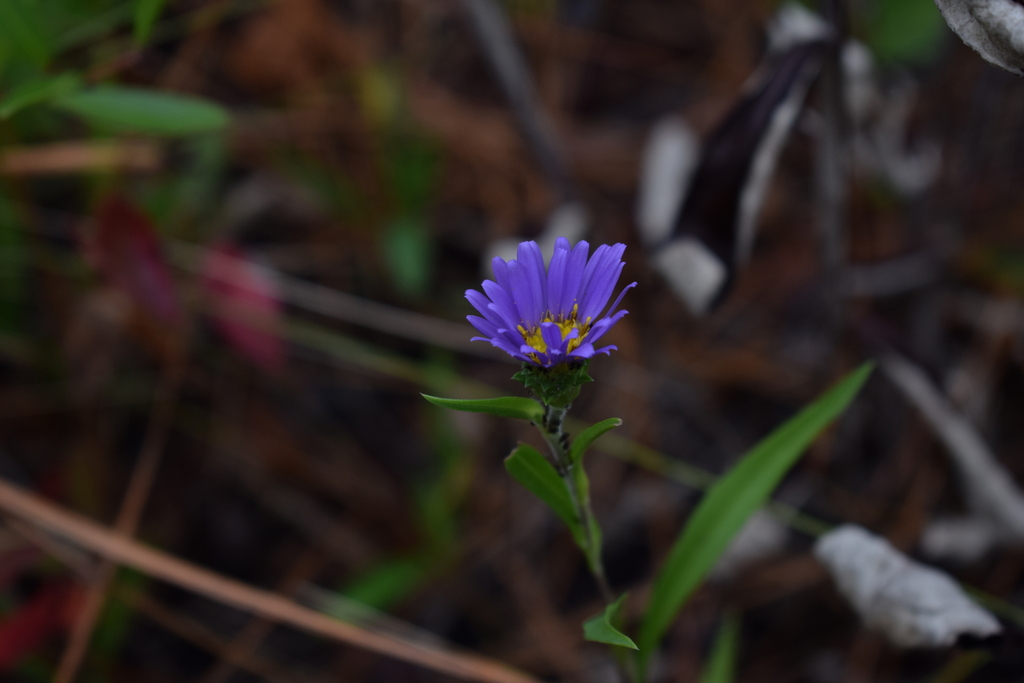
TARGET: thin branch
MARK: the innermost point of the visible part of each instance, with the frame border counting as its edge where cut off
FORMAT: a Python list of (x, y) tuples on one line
[(126, 551)]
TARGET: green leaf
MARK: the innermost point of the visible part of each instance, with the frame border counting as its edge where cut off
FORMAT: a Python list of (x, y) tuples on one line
[(36, 91), (20, 24), (905, 31), (387, 583), (536, 474), (582, 442), (721, 666), (731, 500), (600, 628), (409, 254), (506, 406), (146, 13), (121, 109)]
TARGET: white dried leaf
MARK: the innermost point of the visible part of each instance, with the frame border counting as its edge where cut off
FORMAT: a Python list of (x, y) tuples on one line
[(568, 220), (989, 488), (794, 24), (695, 273), (994, 28), (670, 158), (761, 537), (880, 119), (959, 539), (861, 93), (910, 604)]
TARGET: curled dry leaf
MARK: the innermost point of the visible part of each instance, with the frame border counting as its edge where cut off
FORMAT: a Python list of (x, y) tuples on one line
[(246, 305), (669, 160), (712, 231), (125, 248), (994, 28), (910, 604), (959, 539)]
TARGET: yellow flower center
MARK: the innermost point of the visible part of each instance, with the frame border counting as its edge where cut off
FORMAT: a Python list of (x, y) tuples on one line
[(535, 339)]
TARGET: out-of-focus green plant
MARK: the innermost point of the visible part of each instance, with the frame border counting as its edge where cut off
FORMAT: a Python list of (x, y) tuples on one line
[(32, 34), (721, 664), (904, 31)]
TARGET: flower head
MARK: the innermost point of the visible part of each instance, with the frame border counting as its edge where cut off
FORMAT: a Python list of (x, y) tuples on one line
[(553, 315)]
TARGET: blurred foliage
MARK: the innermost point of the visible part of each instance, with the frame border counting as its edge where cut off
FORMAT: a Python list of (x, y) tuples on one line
[(908, 32)]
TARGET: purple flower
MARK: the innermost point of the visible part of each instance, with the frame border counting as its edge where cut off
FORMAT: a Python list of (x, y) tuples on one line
[(551, 316)]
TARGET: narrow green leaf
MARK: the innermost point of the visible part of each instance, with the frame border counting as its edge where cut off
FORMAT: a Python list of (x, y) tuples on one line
[(601, 629), (721, 666), (121, 109), (506, 406), (37, 91), (536, 474), (146, 12), (387, 583), (731, 500), (20, 24), (582, 442)]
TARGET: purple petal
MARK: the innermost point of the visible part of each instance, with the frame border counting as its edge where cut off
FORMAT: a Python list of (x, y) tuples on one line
[(508, 348), (585, 350), (562, 244), (601, 287), (526, 297), (603, 325), (552, 335), (526, 349), (502, 304), (530, 256), (484, 327), (500, 268), (478, 300), (618, 299), (482, 304), (574, 268), (601, 263), (556, 279)]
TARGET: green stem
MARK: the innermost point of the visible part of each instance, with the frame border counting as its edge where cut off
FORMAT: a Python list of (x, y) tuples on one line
[(558, 442), (560, 445)]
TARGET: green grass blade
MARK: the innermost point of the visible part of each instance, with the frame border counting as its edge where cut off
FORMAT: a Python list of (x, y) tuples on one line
[(506, 406), (721, 666), (21, 25), (600, 628), (146, 13), (535, 473), (582, 442), (37, 91), (121, 109), (729, 503)]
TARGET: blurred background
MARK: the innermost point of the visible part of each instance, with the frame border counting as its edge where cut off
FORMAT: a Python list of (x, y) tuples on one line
[(234, 241)]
